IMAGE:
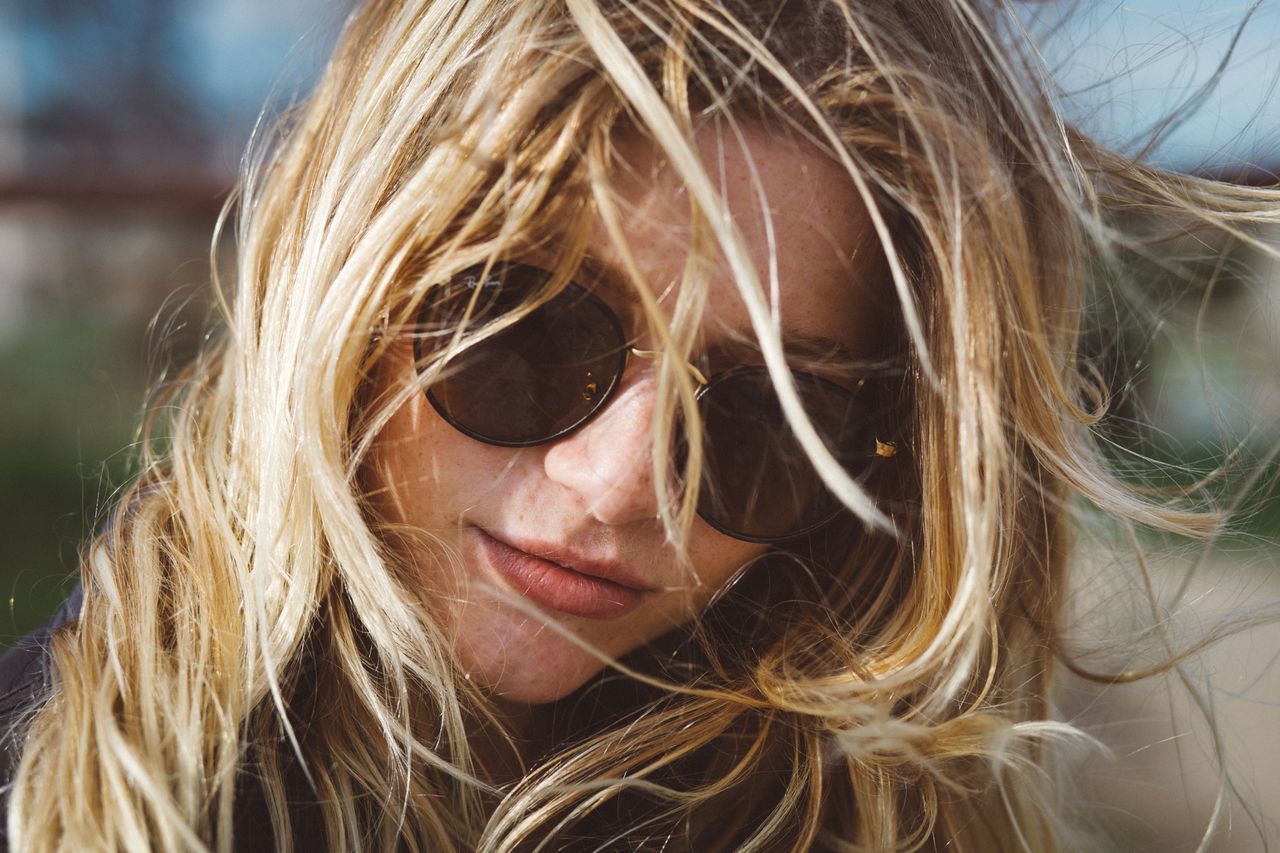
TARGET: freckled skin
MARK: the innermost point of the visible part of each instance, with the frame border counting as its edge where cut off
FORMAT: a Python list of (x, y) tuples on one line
[(592, 490)]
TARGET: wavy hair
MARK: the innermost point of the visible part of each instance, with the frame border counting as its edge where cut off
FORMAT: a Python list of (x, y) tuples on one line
[(250, 634)]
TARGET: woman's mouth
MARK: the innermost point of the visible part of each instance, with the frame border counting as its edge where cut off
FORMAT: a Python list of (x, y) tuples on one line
[(558, 586)]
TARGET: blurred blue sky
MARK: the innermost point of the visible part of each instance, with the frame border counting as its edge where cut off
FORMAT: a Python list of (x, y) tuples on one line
[(149, 86), (225, 52), (194, 73), (1125, 66)]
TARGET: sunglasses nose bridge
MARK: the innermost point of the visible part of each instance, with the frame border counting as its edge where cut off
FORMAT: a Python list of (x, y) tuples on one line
[(694, 373), (608, 462)]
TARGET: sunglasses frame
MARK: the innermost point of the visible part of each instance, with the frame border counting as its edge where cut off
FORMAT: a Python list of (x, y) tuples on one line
[(624, 356), (609, 314), (872, 459)]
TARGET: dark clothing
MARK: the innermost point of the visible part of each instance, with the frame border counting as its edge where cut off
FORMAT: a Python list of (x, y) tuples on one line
[(26, 664), (25, 681)]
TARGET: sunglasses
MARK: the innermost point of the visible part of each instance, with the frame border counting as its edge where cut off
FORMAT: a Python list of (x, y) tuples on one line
[(550, 372)]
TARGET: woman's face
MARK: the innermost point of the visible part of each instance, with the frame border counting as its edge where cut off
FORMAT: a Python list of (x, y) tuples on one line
[(568, 531)]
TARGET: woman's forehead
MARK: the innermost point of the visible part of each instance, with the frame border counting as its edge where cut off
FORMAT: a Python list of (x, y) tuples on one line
[(799, 214)]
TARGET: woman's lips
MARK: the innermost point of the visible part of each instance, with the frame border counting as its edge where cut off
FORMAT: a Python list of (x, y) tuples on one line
[(557, 586)]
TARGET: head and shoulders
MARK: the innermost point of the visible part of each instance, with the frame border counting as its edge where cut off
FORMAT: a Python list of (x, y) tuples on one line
[(784, 564)]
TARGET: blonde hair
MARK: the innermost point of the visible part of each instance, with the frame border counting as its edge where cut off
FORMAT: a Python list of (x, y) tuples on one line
[(249, 632)]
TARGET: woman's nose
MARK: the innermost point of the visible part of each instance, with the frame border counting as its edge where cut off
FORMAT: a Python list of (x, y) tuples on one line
[(609, 461)]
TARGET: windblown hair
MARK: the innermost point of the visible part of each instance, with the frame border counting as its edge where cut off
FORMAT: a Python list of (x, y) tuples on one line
[(250, 633)]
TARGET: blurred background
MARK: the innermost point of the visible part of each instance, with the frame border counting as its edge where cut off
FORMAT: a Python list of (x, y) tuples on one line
[(121, 127), (122, 124)]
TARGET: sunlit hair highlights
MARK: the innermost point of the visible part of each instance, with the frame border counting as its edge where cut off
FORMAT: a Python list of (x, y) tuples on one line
[(250, 632)]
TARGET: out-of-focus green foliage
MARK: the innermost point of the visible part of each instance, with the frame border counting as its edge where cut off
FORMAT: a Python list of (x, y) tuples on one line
[(72, 389), (1183, 334)]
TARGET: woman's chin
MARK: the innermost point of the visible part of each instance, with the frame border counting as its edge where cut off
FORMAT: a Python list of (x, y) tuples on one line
[(523, 671)]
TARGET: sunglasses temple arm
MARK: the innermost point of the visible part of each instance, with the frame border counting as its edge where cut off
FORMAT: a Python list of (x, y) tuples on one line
[(653, 353)]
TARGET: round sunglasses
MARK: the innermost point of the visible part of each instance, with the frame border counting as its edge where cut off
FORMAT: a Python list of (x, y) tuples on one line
[(550, 372)]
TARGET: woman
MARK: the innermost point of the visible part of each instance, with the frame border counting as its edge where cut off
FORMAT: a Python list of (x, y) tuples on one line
[(633, 427)]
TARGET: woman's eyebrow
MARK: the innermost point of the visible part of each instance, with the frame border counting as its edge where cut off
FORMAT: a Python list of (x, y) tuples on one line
[(800, 348), (816, 347), (599, 272), (801, 345), (591, 272)]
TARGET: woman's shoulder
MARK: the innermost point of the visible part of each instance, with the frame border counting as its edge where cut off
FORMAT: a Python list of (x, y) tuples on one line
[(25, 678), (26, 681), (26, 663)]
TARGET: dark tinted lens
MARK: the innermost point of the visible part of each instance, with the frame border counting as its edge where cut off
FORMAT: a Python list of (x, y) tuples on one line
[(536, 379), (757, 481)]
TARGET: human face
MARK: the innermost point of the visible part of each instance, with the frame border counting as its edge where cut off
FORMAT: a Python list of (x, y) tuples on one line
[(568, 531)]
